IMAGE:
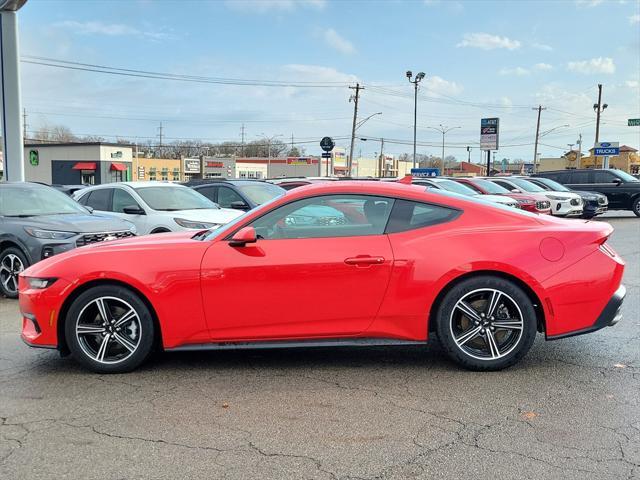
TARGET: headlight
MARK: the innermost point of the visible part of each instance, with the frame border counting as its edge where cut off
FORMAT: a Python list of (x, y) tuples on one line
[(133, 229), (195, 225), (40, 283), (48, 234)]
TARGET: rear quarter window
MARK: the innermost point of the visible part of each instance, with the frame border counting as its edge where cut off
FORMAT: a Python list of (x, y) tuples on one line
[(409, 215)]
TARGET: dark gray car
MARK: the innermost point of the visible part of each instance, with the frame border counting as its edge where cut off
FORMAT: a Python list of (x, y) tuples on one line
[(37, 222)]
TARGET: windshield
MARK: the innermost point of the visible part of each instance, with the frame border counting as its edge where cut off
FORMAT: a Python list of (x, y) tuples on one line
[(625, 176), (552, 184), (492, 188), (28, 200), (457, 188), (526, 186), (260, 193), (170, 198)]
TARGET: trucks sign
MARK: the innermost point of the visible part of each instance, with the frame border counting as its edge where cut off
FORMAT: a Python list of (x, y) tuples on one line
[(606, 149)]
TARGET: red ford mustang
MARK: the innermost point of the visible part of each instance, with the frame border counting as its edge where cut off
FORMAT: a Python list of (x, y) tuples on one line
[(339, 263)]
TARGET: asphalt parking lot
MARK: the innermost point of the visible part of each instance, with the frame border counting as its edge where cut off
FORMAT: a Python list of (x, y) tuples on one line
[(570, 410)]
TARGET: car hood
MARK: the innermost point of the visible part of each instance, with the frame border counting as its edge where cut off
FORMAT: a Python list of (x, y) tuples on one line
[(208, 215), (583, 193), (499, 199), (79, 223), (562, 195), (536, 197)]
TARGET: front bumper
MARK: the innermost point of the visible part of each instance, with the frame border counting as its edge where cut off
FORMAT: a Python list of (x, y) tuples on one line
[(610, 315), (593, 208), (39, 310)]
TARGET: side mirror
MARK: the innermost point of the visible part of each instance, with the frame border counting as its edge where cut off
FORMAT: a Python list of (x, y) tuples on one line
[(617, 181), (89, 208), (239, 205), (133, 210), (243, 236)]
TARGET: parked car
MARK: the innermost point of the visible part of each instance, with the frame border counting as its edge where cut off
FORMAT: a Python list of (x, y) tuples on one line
[(531, 202), (415, 264), (593, 203), (68, 189), (563, 204), (289, 183), (237, 194), (37, 222), (455, 187), (156, 207), (622, 190)]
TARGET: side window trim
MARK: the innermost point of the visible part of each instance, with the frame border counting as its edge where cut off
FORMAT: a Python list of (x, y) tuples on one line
[(454, 214)]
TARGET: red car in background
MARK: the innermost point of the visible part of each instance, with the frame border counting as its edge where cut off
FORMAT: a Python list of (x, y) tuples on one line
[(531, 202), (393, 265)]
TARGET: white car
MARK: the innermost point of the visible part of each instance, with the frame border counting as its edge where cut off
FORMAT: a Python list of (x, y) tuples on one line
[(563, 204), (455, 187), (155, 207)]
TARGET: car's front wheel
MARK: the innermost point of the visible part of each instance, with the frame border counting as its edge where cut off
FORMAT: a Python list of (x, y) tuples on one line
[(636, 206), (109, 329), (486, 323), (12, 263)]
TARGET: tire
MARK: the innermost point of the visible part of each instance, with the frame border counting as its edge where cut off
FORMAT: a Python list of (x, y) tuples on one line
[(635, 206), (12, 262), (497, 331), (129, 333)]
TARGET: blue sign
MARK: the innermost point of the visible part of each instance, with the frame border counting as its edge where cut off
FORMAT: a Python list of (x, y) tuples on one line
[(606, 149), (425, 172)]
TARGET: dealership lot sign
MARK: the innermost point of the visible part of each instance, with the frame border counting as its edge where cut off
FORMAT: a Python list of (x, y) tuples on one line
[(607, 149), (489, 131)]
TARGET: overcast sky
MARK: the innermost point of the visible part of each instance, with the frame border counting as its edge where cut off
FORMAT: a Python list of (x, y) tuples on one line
[(481, 59)]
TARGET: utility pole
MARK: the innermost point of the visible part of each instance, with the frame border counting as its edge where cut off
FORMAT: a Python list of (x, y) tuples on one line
[(24, 123), (292, 141), (468, 154), (579, 154), (535, 150), (443, 130), (355, 98), (242, 137), (599, 108), (381, 160), (160, 142)]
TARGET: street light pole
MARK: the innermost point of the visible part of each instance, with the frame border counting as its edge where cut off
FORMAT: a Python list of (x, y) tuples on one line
[(419, 77), (444, 130)]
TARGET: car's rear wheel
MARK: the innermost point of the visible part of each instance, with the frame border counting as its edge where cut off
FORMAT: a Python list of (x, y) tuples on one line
[(12, 263), (109, 329), (486, 323)]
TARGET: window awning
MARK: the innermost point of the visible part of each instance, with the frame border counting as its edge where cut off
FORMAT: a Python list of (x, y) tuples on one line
[(120, 167), (84, 166)]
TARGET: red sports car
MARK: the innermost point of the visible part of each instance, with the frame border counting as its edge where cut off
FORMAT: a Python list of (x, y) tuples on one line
[(304, 270), (532, 202)]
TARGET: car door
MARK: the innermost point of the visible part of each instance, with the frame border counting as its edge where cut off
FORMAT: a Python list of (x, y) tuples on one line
[(100, 200), (209, 191), (313, 272), (122, 199), (227, 197), (605, 182)]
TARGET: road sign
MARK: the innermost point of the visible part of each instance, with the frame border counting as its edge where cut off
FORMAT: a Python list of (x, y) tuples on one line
[(633, 122), (489, 131), (425, 172), (326, 154), (327, 144), (606, 149)]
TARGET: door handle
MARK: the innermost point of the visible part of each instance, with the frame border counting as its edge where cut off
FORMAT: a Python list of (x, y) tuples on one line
[(364, 260)]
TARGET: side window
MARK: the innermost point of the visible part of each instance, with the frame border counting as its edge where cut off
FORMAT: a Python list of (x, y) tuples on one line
[(226, 197), (100, 199), (579, 177), (209, 192), (472, 186), (327, 216), (504, 184), (122, 199), (604, 177), (561, 177), (408, 215)]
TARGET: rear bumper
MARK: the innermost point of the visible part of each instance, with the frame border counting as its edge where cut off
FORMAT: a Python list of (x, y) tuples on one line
[(610, 315)]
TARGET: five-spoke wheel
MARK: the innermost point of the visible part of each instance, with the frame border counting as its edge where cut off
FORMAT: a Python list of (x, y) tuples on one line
[(486, 323), (109, 329)]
